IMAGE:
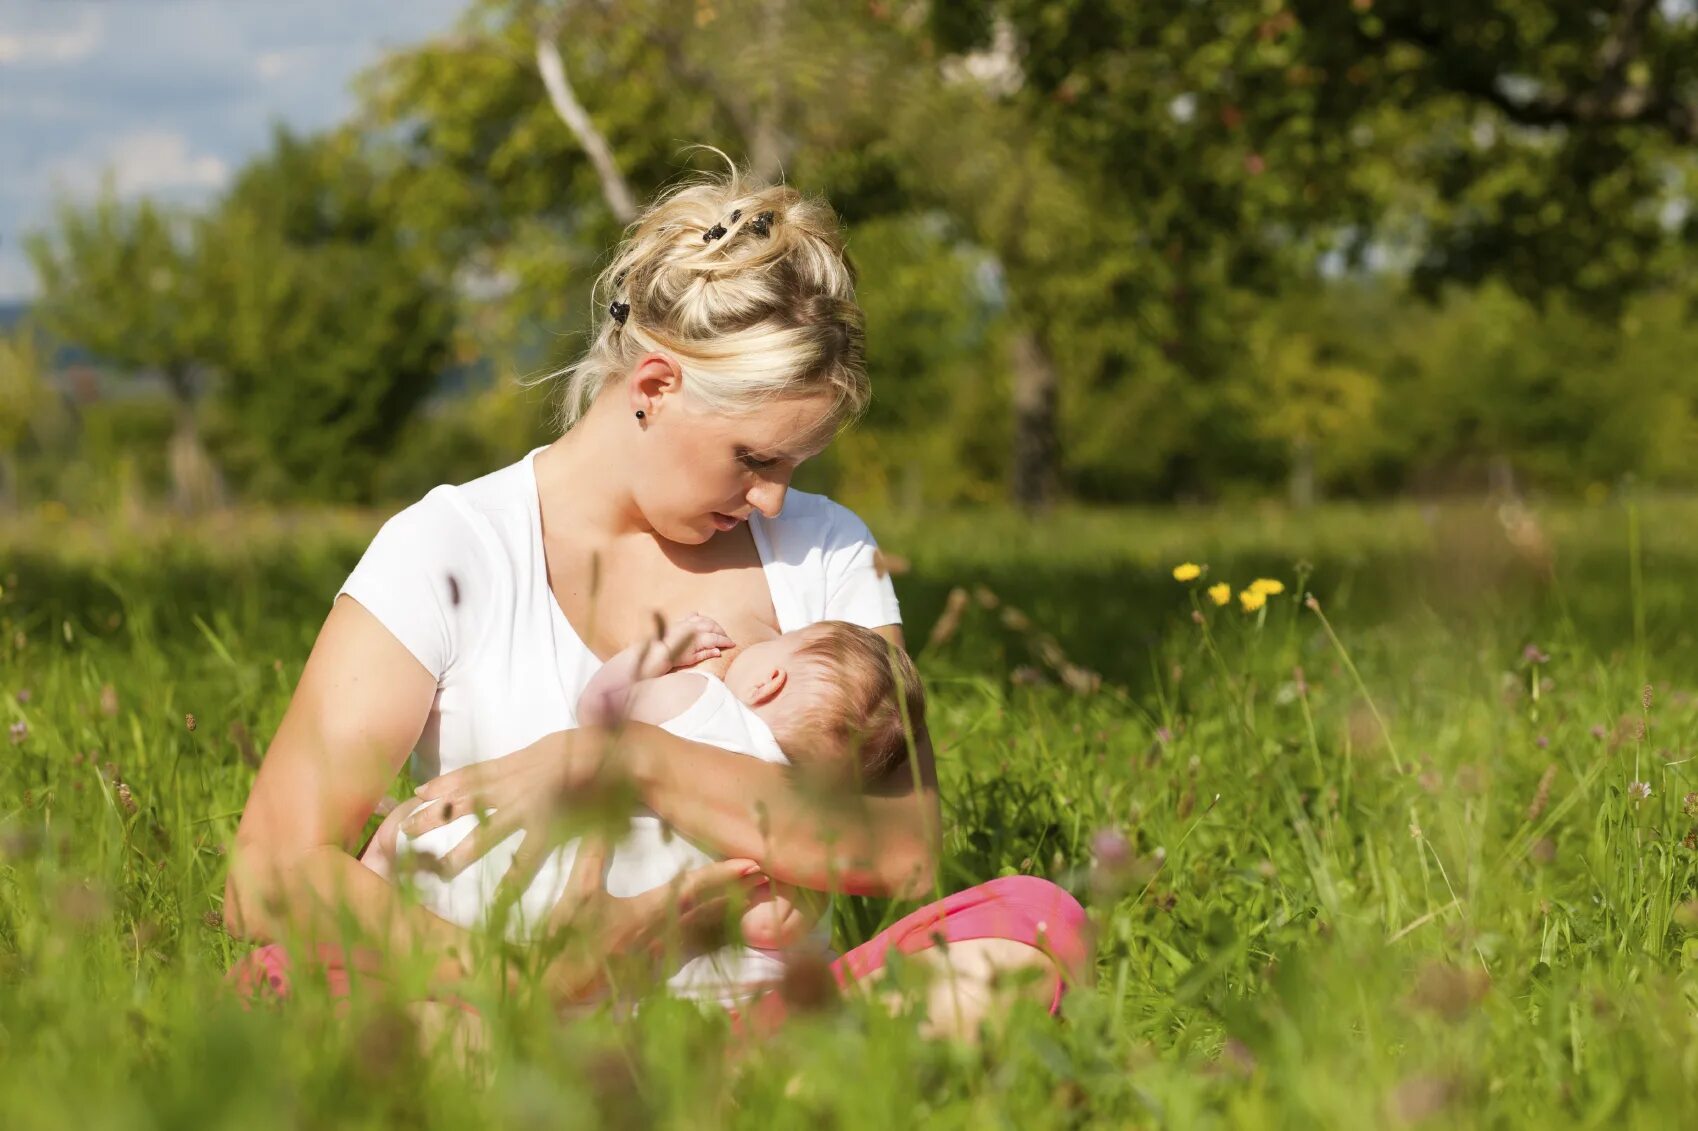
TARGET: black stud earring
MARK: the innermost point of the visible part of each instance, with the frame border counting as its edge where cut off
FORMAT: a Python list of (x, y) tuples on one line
[(639, 414)]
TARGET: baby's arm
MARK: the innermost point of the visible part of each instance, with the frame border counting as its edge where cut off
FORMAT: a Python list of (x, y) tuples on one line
[(607, 697)]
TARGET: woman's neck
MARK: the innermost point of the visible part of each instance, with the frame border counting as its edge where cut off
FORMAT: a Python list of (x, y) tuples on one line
[(579, 481)]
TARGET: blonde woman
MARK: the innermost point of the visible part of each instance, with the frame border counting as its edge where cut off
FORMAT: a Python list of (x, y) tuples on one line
[(727, 350)]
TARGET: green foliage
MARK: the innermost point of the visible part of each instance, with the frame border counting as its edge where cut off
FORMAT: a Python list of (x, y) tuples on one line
[(1290, 928), (122, 282), (336, 330)]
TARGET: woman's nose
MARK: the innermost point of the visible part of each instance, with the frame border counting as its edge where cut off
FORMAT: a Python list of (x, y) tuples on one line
[(768, 497)]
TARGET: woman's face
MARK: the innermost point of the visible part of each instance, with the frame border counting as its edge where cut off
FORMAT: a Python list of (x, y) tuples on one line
[(700, 472)]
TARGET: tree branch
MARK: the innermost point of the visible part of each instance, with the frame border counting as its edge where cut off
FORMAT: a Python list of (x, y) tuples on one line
[(553, 70)]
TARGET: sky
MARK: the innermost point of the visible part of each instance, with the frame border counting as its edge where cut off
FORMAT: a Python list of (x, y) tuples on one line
[(169, 97)]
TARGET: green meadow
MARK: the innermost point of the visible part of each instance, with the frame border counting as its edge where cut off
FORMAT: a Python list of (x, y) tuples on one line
[(1410, 844)]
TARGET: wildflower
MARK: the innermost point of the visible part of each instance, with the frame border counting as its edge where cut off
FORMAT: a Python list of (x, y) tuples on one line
[(19, 732), (1542, 795), (1543, 742), (1645, 697), (1111, 848), (1689, 805), (126, 800), (1163, 735), (1187, 571), (1598, 731), (1533, 655), (1252, 599), (190, 721), (1310, 603), (1220, 592), (1268, 587), (25, 695), (1639, 790)]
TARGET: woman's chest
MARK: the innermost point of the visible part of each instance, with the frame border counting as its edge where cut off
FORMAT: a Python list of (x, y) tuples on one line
[(617, 597)]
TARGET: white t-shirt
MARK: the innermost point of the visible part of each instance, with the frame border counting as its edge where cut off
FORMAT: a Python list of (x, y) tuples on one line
[(460, 579), (649, 856)]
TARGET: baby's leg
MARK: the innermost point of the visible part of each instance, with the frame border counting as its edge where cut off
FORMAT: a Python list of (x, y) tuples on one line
[(379, 855)]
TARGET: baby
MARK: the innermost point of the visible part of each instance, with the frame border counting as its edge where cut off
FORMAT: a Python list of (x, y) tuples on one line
[(833, 699)]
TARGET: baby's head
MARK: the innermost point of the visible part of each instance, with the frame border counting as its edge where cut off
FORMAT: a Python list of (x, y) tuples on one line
[(835, 695)]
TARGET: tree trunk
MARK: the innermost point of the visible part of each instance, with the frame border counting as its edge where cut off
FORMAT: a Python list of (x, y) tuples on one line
[(1034, 423), (8, 483), (195, 482), (1302, 484)]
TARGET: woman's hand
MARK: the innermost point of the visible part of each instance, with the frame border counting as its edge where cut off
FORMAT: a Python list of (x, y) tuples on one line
[(525, 790), (598, 929)]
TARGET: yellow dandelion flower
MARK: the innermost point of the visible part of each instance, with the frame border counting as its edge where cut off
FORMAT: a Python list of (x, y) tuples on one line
[(1267, 586), (1220, 592), (1252, 599), (1190, 571)]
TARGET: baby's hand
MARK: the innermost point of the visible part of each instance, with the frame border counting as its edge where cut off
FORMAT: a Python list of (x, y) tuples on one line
[(693, 639)]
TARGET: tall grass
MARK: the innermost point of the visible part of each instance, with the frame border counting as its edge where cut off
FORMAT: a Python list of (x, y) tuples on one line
[(1377, 862)]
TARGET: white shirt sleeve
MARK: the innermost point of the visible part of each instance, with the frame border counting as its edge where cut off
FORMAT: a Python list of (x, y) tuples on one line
[(425, 577), (856, 591)]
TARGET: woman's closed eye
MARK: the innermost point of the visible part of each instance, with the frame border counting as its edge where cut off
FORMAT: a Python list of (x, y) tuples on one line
[(755, 462)]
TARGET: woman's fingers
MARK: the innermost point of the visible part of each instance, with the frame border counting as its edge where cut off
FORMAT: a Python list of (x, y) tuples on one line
[(465, 780), (477, 844), (584, 883)]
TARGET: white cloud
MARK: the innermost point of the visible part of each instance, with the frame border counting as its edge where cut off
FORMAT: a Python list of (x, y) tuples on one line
[(160, 159), (275, 64), (146, 161), (55, 45)]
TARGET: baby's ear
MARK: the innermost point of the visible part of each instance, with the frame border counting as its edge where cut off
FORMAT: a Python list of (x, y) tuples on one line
[(769, 686)]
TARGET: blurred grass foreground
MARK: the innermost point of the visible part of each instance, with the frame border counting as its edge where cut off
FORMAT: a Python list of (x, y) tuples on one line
[(1420, 850)]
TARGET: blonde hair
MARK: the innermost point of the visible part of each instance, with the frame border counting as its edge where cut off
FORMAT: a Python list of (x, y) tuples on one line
[(868, 706), (747, 286)]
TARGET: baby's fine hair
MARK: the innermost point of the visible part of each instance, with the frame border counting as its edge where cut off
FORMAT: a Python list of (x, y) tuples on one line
[(871, 700), (746, 285)]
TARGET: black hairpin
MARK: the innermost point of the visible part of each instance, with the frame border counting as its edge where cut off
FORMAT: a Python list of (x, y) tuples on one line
[(713, 233), (762, 225), (619, 310)]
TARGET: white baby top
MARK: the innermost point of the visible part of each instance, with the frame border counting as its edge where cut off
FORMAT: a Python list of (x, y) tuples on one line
[(460, 579), (648, 857)]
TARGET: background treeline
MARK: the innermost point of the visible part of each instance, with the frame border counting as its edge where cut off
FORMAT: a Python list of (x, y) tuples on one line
[(1109, 251)]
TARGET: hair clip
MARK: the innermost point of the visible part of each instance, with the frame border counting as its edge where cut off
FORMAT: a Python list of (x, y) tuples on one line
[(619, 310), (762, 224), (713, 233)]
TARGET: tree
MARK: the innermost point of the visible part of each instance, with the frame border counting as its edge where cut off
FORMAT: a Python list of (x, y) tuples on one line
[(25, 397), (124, 282), (335, 322)]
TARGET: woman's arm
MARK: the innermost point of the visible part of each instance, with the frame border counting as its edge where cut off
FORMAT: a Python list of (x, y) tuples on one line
[(356, 714), (881, 843)]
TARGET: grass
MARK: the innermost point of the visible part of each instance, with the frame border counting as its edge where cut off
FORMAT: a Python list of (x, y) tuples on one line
[(1373, 865)]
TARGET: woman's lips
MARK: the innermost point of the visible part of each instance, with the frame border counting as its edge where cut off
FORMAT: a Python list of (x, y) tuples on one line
[(725, 521)]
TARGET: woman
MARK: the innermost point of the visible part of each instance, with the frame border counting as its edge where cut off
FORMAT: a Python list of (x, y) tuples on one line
[(727, 350)]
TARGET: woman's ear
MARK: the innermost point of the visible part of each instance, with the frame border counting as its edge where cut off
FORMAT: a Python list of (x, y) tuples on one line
[(655, 378), (768, 688)]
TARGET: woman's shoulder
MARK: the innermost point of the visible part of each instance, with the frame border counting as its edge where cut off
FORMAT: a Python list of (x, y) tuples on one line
[(814, 521), (490, 511)]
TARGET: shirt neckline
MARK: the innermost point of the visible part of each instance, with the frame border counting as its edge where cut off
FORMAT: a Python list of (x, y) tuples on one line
[(774, 585)]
